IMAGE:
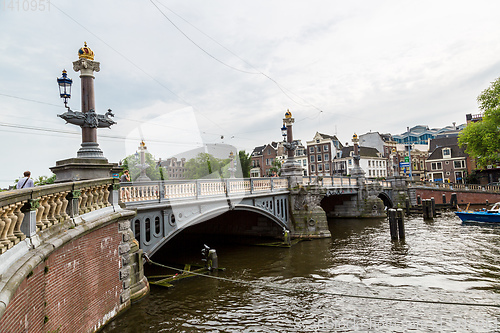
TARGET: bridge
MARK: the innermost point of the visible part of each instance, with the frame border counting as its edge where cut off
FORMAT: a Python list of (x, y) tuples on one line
[(92, 234)]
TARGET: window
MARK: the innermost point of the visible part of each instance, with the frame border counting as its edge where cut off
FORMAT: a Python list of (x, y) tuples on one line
[(436, 166), (369, 163), (311, 150), (312, 168), (325, 148), (327, 157), (459, 164), (446, 152), (327, 166), (319, 158), (320, 167), (369, 173), (350, 162), (304, 162), (312, 158), (268, 151), (318, 149)]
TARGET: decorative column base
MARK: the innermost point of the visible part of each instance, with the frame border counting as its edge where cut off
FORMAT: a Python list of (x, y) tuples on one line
[(90, 150), (73, 169), (293, 171), (308, 218)]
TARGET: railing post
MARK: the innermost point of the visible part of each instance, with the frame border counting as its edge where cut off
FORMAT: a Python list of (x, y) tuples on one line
[(251, 185), (272, 184), (28, 227), (198, 188), (114, 196), (73, 198)]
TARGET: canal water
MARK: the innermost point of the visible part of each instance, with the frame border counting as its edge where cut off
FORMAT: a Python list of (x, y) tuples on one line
[(441, 262)]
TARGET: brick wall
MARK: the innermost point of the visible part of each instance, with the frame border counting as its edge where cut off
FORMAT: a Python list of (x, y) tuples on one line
[(462, 197), (76, 289)]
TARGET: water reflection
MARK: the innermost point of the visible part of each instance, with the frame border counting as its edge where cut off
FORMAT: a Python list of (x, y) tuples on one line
[(442, 261)]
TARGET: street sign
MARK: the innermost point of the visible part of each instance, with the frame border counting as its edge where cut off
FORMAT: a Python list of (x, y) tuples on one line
[(407, 159), (404, 164)]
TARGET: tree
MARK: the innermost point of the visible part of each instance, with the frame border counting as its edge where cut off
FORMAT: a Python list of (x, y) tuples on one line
[(276, 167), (245, 162), (154, 172), (205, 166), (482, 139)]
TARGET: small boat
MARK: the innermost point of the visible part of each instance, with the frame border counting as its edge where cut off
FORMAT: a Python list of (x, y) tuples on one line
[(490, 216)]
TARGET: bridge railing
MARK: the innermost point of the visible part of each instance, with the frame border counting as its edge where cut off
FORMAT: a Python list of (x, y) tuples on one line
[(330, 181), (178, 189), (454, 186), (25, 212)]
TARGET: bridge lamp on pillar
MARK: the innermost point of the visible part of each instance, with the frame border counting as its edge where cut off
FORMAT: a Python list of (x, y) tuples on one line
[(231, 168), (90, 162), (291, 168), (65, 83), (356, 170), (143, 166)]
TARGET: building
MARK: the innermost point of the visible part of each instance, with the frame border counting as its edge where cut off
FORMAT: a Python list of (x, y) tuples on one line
[(263, 158), (385, 144), (321, 151), (422, 134), (371, 162), (417, 156), (175, 168), (447, 162)]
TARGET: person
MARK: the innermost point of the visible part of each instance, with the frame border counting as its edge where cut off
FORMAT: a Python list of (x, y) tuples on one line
[(26, 181), (125, 177), (125, 192)]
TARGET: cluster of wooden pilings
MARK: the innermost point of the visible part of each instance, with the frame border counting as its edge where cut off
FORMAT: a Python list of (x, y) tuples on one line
[(397, 224)]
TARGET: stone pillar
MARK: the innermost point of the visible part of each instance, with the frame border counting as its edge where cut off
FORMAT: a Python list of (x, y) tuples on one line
[(143, 166), (307, 217), (291, 168)]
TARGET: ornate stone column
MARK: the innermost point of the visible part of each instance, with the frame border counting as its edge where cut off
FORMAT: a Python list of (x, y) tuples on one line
[(291, 168)]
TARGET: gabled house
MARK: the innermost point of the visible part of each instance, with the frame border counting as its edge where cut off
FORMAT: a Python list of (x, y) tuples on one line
[(263, 158), (321, 151), (371, 162), (447, 162)]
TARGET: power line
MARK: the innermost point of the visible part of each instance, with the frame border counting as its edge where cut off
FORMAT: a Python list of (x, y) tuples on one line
[(302, 291), (236, 55), (121, 54)]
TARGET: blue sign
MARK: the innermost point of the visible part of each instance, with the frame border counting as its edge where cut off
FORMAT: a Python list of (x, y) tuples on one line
[(404, 164)]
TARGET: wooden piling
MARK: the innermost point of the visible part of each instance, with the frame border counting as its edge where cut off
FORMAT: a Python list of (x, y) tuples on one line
[(401, 224), (454, 200), (433, 207), (427, 210), (407, 206), (393, 224)]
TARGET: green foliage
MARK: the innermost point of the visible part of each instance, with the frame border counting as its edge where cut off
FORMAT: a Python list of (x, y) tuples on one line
[(154, 172), (276, 167), (246, 163), (44, 180), (482, 139), (206, 166)]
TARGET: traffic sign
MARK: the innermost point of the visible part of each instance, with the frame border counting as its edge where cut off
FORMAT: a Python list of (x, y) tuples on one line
[(404, 164), (407, 158)]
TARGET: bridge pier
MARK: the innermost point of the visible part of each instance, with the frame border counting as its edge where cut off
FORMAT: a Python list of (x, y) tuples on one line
[(308, 219)]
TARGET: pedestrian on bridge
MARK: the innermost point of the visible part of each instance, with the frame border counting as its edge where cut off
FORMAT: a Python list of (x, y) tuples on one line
[(26, 181)]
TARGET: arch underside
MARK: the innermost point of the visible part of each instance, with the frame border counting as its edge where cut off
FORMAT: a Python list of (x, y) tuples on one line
[(157, 227), (386, 199)]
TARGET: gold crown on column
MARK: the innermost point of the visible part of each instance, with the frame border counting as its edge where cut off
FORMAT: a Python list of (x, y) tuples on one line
[(86, 52), (288, 114)]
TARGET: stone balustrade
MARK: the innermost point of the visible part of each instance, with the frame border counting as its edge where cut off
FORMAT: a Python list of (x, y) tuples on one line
[(161, 190), (330, 181), (25, 212), (453, 186)]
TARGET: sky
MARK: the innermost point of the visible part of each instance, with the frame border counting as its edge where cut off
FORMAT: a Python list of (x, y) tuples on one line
[(183, 74)]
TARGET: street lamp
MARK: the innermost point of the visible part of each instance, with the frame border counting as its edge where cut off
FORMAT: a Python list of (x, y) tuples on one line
[(65, 87), (283, 132), (231, 168)]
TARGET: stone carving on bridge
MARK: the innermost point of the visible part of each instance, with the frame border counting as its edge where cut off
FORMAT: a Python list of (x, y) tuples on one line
[(308, 218)]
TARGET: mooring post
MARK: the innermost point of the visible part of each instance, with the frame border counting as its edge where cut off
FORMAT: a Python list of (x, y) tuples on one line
[(424, 209), (427, 211), (407, 206), (393, 224), (401, 224), (433, 207)]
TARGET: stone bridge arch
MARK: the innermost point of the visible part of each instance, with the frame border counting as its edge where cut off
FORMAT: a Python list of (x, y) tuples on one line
[(155, 225), (386, 199)]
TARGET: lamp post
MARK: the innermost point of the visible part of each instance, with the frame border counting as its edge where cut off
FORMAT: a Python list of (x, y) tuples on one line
[(87, 119), (291, 168), (356, 170), (232, 169), (90, 162), (143, 166)]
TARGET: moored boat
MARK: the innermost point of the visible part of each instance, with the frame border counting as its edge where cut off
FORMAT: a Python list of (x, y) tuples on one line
[(490, 216)]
